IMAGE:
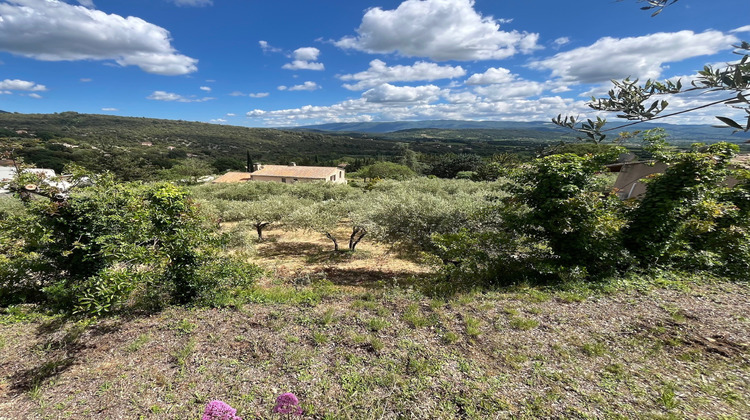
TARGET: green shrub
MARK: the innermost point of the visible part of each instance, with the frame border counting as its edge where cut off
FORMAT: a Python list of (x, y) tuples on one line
[(111, 245)]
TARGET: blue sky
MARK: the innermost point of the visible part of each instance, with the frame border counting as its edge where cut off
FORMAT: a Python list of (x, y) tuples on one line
[(298, 62)]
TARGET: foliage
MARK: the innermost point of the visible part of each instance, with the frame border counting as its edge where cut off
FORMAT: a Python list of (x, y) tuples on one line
[(188, 171), (411, 213), (110, 243), (259, 213), (568, 214), (689, 218), (449, 165), (384, 170)]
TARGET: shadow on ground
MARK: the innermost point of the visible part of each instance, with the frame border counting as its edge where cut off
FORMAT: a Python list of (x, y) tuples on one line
[(61, 343)]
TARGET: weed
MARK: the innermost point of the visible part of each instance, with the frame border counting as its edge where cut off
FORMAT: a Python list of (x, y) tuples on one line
[(376, 343), (436, 304), (572, 297), (667, 396), (535, 296), (184, 327), (327, 317), (139, 342), (183, 353), (472, 326), (450, 337), (510, 311), (596, 348), (319, 338), (413, 316), (523, 324), (103, 388), (376, 324), (534, 310)]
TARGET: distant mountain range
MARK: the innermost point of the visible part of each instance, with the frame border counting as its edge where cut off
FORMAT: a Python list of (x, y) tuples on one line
[(698, 133)]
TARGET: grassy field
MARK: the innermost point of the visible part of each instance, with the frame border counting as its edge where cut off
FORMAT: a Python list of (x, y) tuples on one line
[(354, 336)]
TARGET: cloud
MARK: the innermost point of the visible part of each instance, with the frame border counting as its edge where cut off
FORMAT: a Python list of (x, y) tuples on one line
[(390, 93), (304, 59), (217, 121), (52, 30), (193, 3), (85, 79), (491, 76), (110, 109), (230, 114), (559, 42), (636, 57), (35, 95), (161, 95), (258, 95), (266, 47), (87, 3), (310, 86), (514, 89), (438, 29), (237, 93), (360, 109), (205, 88), (22, 85), (497, 84), (380, 73), (745, 28)]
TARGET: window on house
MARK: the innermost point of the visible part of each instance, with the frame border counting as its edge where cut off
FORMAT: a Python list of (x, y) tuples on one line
[(283, 180)]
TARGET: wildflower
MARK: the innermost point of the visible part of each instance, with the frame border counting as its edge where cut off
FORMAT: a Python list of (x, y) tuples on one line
[(219, 410), (287, 404)]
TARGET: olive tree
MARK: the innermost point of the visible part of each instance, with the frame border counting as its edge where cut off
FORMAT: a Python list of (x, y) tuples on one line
[(259, 213), (640, 102)]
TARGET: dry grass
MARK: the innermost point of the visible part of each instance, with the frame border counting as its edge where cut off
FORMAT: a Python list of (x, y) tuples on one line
[(370, 346), (293, 255)]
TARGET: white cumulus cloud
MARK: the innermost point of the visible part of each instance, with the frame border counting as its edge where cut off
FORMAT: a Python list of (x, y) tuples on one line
[(491, 76), (438, 29), (258, 95), (205, 88), (304, 59), (22, 85), (389, 93), (379, 73), (109, 109), (51, 30), (266, 47), (635, 57), (310, 86), (161, 95)]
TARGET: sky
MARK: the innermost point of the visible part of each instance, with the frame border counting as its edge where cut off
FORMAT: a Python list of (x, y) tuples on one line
[(300, 62)]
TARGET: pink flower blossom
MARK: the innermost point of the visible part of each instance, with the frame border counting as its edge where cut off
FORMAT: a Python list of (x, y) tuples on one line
[(219, 410), (287, 404)]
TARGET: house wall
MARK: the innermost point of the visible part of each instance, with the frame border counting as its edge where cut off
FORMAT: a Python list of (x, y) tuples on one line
[(340, 179), (628, 183)]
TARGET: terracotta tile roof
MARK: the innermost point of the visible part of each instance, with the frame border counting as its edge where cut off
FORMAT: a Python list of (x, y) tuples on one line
[(233, 177), (310, 172)]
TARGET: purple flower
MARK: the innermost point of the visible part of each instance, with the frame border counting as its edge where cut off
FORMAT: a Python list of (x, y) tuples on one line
[(219, 410), (287, 404)]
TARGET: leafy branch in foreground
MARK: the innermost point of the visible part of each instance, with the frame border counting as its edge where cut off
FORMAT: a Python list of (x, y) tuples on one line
[(640, 103)]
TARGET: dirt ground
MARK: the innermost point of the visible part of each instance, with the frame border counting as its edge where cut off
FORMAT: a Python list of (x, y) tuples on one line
[(352, 339)]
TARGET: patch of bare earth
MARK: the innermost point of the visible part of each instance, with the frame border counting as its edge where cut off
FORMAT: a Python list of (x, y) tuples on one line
[(297, 254), (384, 352)]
